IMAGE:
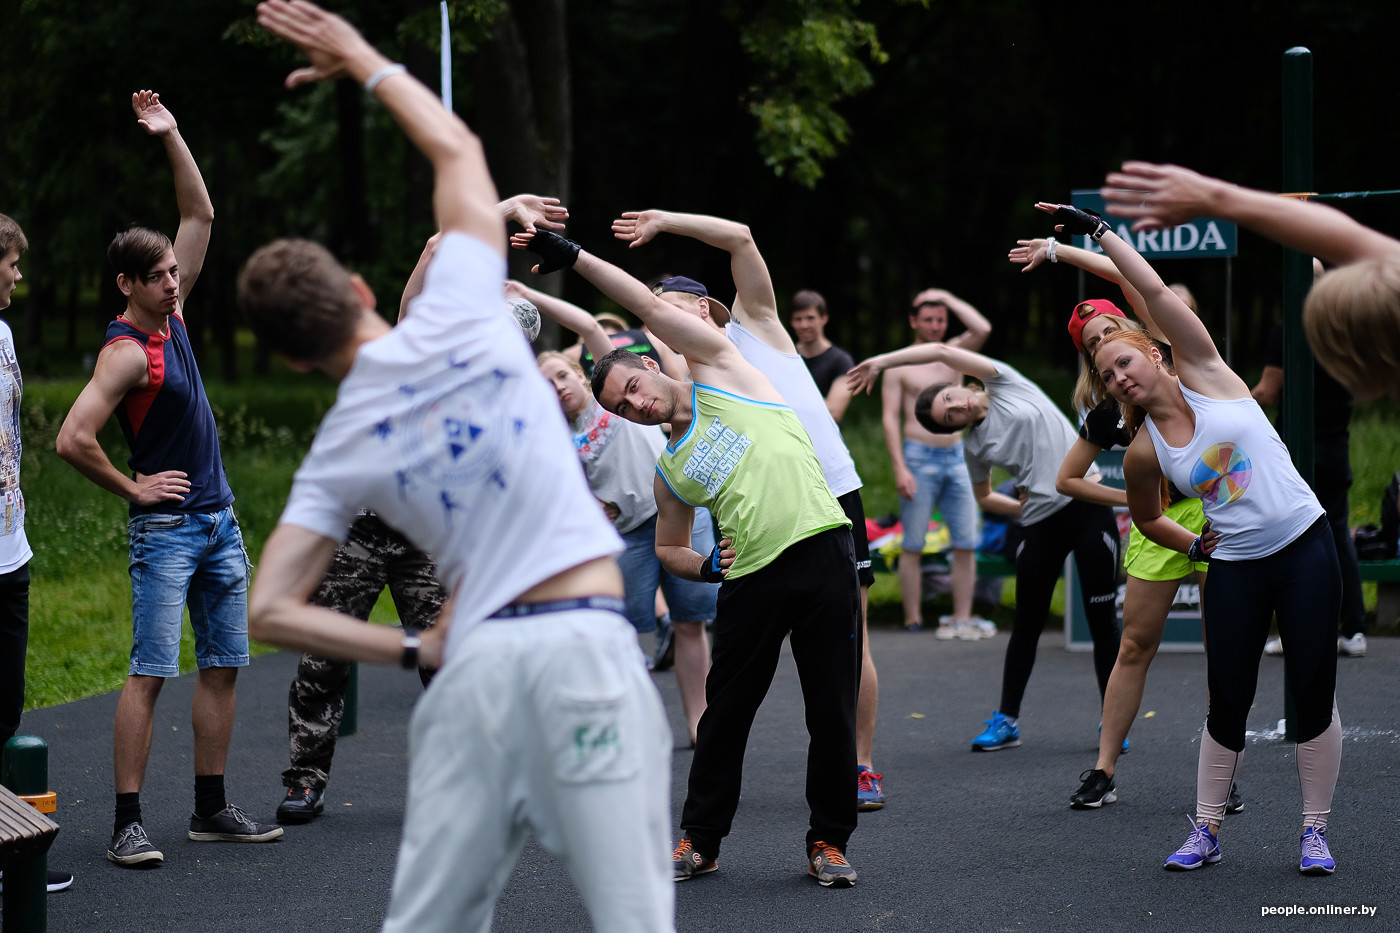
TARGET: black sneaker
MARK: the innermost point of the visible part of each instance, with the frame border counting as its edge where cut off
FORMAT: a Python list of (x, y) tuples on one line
[(828, 865), (686, 863), (301, 805), (1235, 803), (231, 825), (131, 847), (56, 881), (1096, 790)]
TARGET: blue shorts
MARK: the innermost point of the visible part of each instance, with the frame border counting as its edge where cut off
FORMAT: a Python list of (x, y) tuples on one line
[(941, 477), (687, 600), (194, 559)]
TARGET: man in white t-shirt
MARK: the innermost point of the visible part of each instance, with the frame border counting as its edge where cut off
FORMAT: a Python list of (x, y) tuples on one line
[(14, 546), (445, 429)]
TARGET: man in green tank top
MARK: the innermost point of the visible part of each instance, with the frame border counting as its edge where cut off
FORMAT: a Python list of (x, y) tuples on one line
[(786, 561)]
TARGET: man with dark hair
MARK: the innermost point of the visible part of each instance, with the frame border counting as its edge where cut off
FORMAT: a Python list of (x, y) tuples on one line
[(786, 558), (542, 717), (826, 362), (1013, 425), (929, 471), (186, 548)]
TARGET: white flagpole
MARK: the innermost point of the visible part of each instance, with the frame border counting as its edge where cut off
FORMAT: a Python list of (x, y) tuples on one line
[(446, 60)]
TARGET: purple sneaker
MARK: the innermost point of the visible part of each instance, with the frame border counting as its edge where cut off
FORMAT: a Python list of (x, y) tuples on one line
[(1200, 848), (1317, 858)]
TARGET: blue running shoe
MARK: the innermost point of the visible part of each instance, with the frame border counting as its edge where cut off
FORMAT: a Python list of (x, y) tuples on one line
[(870, 795), (1126, 743), (1000, 733), (1200, 848), (1317, 858)]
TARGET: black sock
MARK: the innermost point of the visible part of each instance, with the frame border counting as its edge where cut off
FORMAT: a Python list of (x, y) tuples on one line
[(128, 811), (208, 795)]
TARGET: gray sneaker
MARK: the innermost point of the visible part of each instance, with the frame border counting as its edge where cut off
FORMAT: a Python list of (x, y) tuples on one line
[(231, 825), (131, 847)]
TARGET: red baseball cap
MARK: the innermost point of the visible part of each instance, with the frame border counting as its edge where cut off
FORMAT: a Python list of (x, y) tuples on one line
[(1086, 311)]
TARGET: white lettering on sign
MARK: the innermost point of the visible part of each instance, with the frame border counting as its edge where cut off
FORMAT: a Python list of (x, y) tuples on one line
[(1183, 239)]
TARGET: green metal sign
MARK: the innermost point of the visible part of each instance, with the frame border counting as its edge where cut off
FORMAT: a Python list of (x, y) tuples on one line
[(1202, 238)]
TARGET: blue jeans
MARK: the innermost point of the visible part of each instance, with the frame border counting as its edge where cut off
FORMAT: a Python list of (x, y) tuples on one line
[(942, 481), (194, 559), (642, 572)]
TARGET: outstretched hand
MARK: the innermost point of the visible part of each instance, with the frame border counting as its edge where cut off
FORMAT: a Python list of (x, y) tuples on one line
[(637, 227), (864, 375), (1029, 253), (555, 252), (531, 211), (1158, 196), (151, 114), (327, 40), (1074, 220)]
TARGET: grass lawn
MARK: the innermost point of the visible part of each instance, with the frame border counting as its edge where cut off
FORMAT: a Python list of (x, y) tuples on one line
[(80, 612)]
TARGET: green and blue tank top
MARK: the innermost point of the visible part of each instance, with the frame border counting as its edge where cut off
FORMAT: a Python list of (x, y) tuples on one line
[(752, 464)]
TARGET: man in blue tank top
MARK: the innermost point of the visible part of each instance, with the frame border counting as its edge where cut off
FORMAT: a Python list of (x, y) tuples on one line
[(185, 542)]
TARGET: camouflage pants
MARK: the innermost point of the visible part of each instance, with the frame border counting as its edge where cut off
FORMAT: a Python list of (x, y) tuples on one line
[(374, 556)]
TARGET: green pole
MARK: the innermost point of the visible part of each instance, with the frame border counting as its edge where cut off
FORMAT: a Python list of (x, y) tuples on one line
[(1297, 279), (350, 721), (24, 769)]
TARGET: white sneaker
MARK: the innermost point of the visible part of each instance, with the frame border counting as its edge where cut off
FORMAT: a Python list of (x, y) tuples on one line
[(1353, 647), (967, 630), (1274, 646), (986, 626), (946, 631)]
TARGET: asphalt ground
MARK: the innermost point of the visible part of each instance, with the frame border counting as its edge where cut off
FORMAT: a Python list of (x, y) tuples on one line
[(968, 841)]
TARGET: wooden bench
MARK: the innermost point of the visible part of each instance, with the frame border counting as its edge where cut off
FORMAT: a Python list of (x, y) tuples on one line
[(1386, 575), (24, 831)]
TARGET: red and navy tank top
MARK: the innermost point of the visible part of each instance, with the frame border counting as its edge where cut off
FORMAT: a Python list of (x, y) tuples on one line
[(168, 424)]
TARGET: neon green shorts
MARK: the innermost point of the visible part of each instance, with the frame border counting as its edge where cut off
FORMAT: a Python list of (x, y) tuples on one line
[(1147, 560)]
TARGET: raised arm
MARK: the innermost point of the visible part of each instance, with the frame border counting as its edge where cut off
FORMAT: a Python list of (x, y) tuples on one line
[(191, 197), (464, 196), (1194, 354), (1031, 253), (531, 210), (862, 377), (978, 327), (752, 282), (1156, 196), (568, 316)]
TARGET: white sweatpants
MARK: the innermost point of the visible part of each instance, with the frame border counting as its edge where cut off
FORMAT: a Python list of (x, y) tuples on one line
[(547, 724)]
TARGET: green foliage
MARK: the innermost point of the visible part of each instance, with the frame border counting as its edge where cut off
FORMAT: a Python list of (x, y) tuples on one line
[(807, 58)]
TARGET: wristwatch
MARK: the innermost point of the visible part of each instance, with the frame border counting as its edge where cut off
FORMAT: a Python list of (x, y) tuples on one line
[(411, 643)]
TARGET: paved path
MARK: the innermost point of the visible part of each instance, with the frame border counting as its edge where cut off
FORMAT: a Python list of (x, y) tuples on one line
[(967, 842)]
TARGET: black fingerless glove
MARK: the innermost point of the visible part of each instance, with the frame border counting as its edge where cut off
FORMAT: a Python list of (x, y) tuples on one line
[(1080, 222), (1196, 553), (710, 570), (555, 252)]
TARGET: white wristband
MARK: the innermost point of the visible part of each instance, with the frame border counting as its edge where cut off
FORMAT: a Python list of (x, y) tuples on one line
[(373, 80), (1050, 248)]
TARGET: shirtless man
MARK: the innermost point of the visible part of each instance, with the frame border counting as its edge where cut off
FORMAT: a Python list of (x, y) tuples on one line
[(929, 470)]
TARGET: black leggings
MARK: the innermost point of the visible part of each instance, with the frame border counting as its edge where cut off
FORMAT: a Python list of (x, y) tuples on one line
[(1301, 584), (1091, 532)]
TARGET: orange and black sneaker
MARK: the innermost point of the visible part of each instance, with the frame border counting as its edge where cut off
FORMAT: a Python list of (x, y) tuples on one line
[(686, 863), (829, 866)]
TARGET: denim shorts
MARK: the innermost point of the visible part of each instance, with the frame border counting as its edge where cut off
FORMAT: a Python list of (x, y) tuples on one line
[(181, 559), (642, 573), (942, 481)]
